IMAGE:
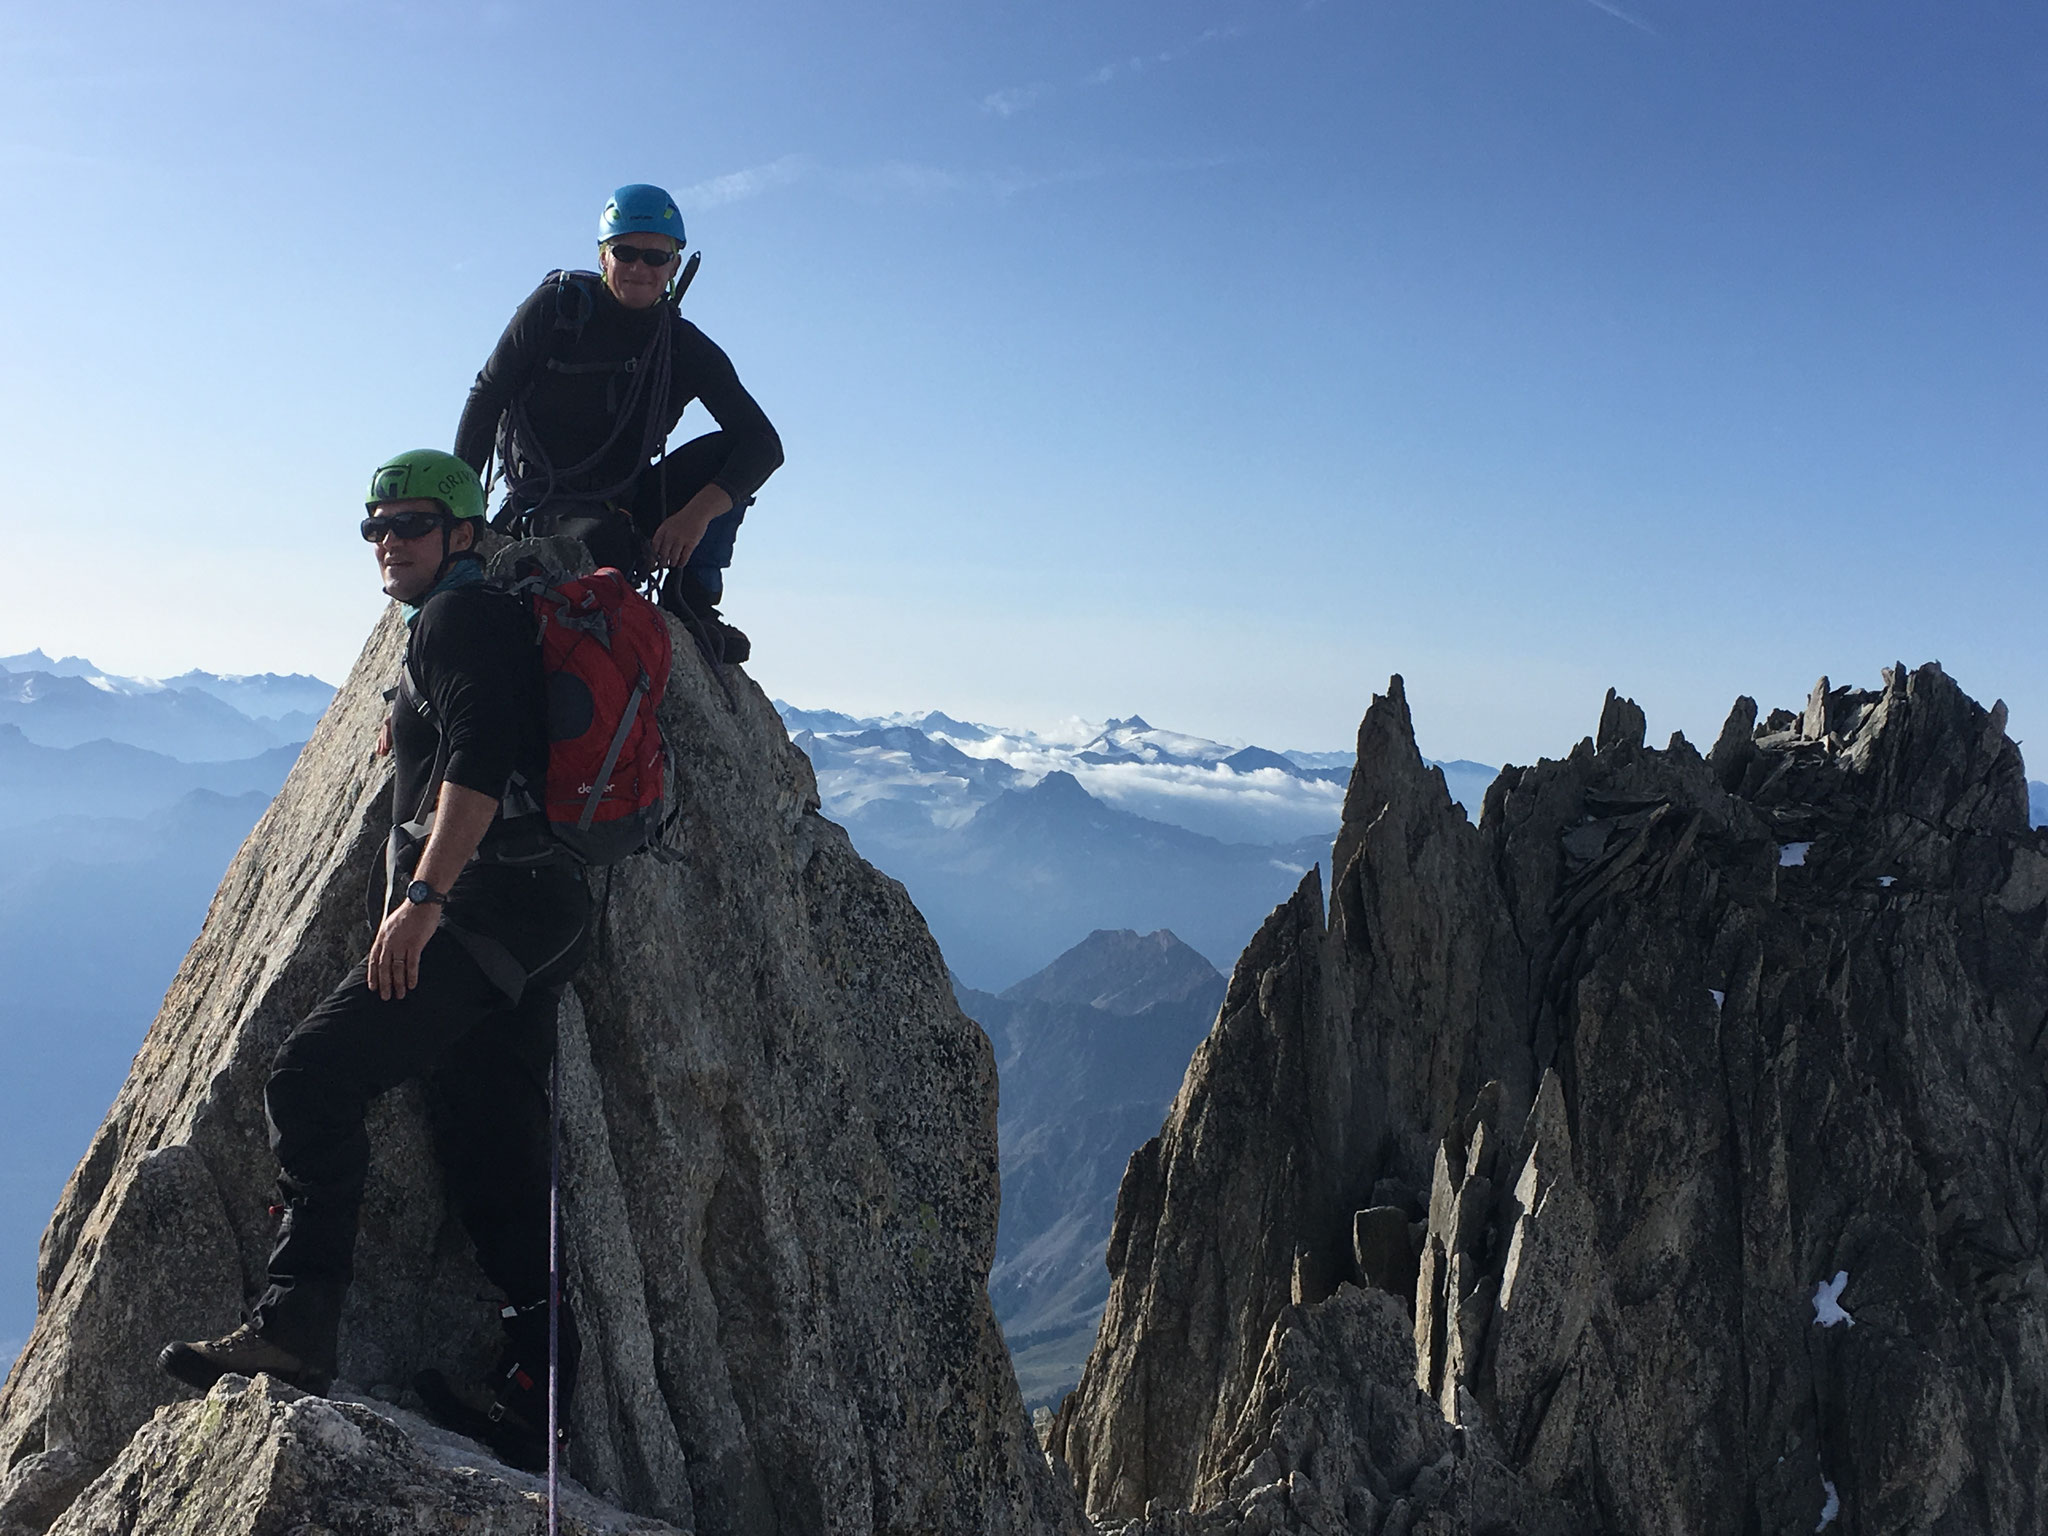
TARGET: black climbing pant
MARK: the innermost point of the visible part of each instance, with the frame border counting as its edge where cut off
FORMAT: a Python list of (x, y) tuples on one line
[(486, 1061), (617, 537)]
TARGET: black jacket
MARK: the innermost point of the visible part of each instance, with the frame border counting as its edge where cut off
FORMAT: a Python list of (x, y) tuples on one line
[(565, 359)]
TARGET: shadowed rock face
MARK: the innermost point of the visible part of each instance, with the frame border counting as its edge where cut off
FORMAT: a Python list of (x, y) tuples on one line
[(1500, 1200), (780, 1168), (1090, 1051)]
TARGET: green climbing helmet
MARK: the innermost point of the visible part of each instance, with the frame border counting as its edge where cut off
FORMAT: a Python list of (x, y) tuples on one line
[(640, 210), (428, 473)]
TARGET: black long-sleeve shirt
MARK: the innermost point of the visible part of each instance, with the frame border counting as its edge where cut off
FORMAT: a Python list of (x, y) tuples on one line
[(573, 405), (472, 657)]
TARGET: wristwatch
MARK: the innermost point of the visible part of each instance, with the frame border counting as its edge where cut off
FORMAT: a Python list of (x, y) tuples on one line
[(421, 894)]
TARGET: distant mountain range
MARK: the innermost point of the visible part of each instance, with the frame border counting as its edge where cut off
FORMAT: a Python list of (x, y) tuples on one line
[(122, 800), (197, 717), (95, 914), (112, 779), (1089, 1053), (1231, 792), (260, 695), (1017, 844)]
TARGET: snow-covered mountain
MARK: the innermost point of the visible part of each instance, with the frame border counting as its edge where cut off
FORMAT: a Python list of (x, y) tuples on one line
[(948, 769), (261, 695), (195, 717), (1017, 844)]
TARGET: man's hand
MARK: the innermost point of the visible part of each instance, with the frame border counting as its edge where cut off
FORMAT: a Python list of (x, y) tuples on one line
[(394, 965), (461, 817), (384, 737), (675, 539)]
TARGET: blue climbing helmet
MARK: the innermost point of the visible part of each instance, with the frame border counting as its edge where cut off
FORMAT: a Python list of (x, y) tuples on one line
[(640, 210)]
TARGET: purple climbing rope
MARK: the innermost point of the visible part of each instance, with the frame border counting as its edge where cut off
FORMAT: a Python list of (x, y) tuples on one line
[(554, 1283)]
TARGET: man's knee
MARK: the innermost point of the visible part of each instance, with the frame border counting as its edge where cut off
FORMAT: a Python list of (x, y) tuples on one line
[(318, 1049), (688, 469), (319, 1076), (666, 488), (305, 1107)]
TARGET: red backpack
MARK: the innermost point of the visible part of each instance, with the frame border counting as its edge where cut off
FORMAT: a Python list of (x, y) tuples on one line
[(604, 655)]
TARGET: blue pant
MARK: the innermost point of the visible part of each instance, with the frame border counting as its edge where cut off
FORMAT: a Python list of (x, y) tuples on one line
[(713, 553)]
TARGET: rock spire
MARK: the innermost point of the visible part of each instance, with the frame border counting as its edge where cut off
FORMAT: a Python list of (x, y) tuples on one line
[(1520, 1192)]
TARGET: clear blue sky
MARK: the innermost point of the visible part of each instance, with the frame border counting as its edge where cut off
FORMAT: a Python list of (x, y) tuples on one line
[(1211, 360)]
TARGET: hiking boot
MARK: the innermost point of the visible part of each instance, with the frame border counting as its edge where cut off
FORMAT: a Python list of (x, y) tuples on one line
[(723, 644), (688, 599), (499, 1426), (733, 645), (509, 1412), (245, 1352)]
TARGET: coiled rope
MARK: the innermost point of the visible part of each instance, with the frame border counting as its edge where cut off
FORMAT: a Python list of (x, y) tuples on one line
[(532, 478)]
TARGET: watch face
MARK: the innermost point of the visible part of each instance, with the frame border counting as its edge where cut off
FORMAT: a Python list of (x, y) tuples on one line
[(421, 894)]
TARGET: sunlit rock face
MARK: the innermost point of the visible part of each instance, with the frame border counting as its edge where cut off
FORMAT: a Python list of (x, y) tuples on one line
[(259, 1459), (780, 1153), (1663, 1154)]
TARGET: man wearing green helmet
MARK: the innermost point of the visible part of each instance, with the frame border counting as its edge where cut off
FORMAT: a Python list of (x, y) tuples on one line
[(483, 920), (580, 395)]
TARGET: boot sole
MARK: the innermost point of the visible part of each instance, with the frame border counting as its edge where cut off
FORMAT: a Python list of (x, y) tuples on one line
[(200, 1371)]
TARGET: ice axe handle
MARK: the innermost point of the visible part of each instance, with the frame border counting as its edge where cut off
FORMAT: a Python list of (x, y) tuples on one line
[(689, 272)]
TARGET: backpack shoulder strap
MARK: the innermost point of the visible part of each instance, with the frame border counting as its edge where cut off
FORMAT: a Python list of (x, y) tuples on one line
[(414, 696), (407, 837), (527, 581), (575, 302), (575, 298)]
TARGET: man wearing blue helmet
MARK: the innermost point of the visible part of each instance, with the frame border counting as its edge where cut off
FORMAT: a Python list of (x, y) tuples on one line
[(579, 397)]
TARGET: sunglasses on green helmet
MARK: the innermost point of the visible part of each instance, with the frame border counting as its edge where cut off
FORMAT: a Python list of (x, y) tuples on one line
[(410, 524), (632, 253)]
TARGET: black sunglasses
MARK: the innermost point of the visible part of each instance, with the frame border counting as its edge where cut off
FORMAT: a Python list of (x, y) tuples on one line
[(412, 524), (632, 253)]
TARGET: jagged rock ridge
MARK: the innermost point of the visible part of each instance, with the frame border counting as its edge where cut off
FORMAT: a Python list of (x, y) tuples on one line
[(781, 1169), (1500, 1199)]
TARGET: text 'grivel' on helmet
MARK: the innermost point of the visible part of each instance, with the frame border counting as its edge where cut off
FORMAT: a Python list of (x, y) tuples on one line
[(428, 474)]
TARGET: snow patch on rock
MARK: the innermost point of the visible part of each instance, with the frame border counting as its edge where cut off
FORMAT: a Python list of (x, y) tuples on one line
[(1827, 1301)]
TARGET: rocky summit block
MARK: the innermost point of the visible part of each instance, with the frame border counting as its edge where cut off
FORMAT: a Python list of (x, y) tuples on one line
[(780, 1168), (1663, 1154), (259, 1459)]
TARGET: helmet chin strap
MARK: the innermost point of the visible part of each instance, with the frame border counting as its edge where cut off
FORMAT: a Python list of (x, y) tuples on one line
[(449, 554), (447, 536)]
